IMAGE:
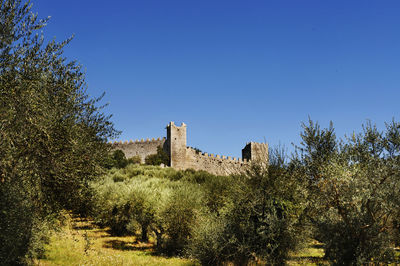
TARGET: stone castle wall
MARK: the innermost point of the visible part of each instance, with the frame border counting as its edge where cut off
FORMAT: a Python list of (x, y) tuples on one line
[(141, 148), (215, 164), (183, 157)]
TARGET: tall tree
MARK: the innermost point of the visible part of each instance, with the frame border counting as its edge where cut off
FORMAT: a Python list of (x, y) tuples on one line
[(53, 136)]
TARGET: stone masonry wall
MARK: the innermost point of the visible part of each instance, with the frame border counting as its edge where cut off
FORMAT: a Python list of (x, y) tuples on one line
[(255, 151), (142, 148), (176, 143), (218, 165)]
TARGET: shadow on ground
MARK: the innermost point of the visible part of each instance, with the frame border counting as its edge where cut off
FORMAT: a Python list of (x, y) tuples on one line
[(122, 245), (317, 246), (83, 227), (307, 258)]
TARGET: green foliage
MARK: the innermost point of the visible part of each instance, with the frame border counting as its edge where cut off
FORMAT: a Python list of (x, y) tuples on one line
[(179, 216), (118, 160), (209, 240), (215, 188), (150, 199), (161, 157), (52, 134), (259, 221), (124, 197), (135, 160), (254, 216), (354, 189)]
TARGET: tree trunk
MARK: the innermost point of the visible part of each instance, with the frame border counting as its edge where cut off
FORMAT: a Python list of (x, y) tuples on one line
[(145, 238)]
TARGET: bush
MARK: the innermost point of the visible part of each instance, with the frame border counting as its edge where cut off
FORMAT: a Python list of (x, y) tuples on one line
[(343, 243), (260, 220), (116, 159), (179, 216), (161, 157), (208, 239), (135, 160), (125, 199), (147, 199)]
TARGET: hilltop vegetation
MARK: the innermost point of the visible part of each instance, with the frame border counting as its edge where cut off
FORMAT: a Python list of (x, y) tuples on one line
[(184, 210)]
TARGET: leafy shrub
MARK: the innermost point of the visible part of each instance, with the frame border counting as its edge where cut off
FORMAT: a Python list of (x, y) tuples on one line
[(146, 199), (208, 238), (116, 159), (124, 198), (215, 188), (135, 160), (161, 157), (342, 245), (259, 220), (179, 216)]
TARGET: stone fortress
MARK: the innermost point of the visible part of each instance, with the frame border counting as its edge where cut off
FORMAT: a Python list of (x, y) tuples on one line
[(184, 157)]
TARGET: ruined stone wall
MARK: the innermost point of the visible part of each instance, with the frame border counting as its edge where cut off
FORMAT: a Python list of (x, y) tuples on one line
[(214, 164), (141, 148)]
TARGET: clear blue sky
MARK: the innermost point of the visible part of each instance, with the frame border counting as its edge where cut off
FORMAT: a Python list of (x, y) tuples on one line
[(235, 71)]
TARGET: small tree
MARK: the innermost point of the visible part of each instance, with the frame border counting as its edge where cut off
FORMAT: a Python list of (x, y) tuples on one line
[(178, 216), (135, 160), (161, 157), (116, 159)]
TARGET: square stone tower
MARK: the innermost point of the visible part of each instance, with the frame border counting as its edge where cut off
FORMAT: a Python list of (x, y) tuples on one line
[(255, 151), (176, 143)]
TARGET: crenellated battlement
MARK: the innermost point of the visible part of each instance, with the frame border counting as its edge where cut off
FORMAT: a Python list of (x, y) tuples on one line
[(184, 157), (217, 157), (137, 141)]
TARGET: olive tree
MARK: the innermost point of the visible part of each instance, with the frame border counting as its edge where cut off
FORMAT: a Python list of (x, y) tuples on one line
[(53, 136), (260, 220), (354, 189)]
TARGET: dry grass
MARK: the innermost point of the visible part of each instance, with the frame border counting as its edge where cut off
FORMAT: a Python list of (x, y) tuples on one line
[(311, 255), (82, 243), (79, 242)]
